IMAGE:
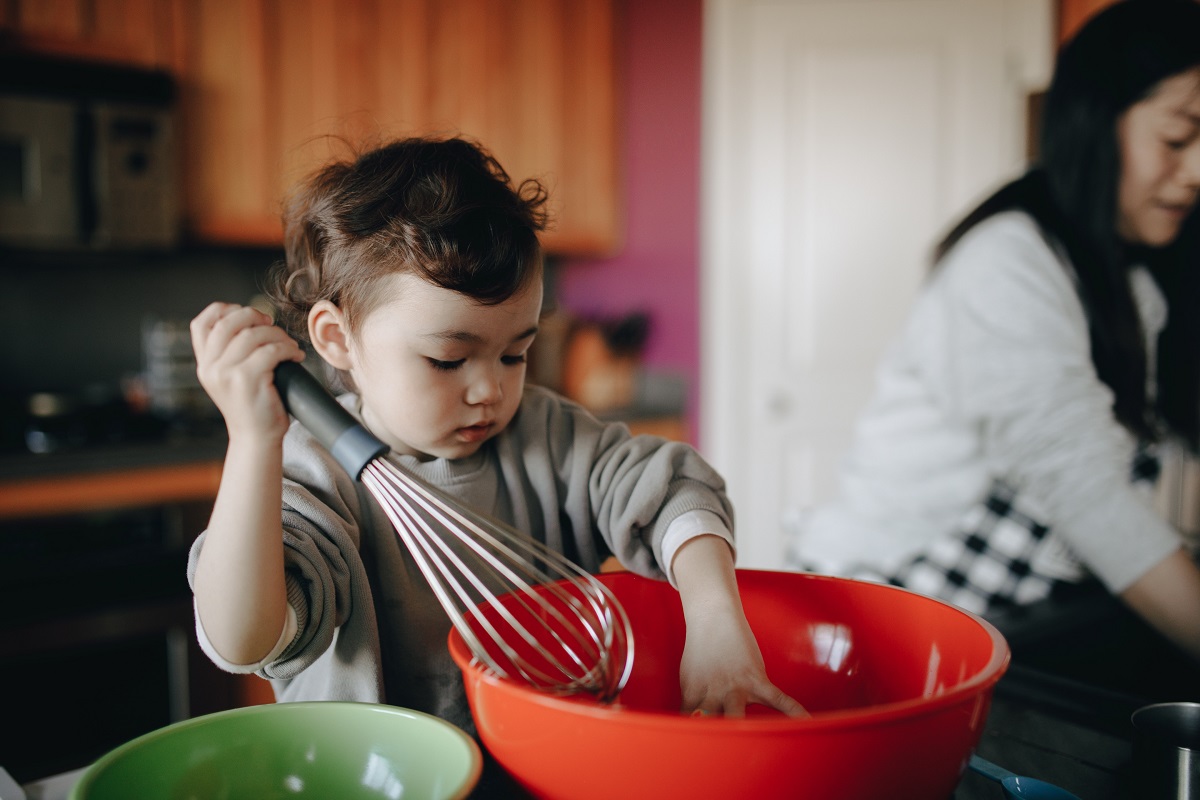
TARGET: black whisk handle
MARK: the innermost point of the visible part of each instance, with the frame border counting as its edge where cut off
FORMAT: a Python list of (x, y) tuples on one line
[(333, 426)]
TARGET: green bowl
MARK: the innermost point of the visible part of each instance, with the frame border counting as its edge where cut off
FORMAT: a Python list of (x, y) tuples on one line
[(294, 750)]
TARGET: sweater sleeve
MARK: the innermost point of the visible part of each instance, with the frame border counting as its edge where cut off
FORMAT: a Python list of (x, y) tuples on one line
[(323, 572), (629, 488), (322, 506), (1019, 368)]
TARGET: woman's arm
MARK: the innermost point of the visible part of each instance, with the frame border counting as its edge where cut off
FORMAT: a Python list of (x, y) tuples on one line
[(1019, 370), (1168, 598)]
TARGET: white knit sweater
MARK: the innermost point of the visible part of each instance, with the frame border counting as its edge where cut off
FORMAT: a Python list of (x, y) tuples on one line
[(990, 378)]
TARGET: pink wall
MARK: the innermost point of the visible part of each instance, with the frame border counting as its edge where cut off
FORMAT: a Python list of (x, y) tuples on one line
[(658, 268)]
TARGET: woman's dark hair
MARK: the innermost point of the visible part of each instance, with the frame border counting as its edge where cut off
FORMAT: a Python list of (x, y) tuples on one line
[(1116, 60), (442, 209)]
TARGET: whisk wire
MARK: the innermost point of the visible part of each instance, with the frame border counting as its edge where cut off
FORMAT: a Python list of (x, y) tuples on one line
[(407, 524), (431, 540), (420, 538), (582, 642)]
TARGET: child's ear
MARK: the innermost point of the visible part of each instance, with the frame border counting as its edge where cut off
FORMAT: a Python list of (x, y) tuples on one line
[(329, 334)]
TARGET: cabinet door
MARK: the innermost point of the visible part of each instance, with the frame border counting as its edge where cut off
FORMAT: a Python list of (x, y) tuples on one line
[(142, 32), (274, 88), (535, 82), (328, 70), (228, 111), (271, 89)]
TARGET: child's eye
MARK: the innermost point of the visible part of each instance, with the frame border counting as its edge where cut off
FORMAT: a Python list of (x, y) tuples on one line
[(513, 360), (446, 366)]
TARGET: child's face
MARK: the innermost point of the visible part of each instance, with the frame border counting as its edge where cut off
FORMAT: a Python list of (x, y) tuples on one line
[(1160, 162), (439, 374)]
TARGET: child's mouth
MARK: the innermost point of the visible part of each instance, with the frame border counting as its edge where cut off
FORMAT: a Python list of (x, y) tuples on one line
[(475, 433)]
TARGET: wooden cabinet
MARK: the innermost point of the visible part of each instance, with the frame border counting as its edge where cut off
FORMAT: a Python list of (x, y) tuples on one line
[(232, 150), (141, 32), (270, 89)]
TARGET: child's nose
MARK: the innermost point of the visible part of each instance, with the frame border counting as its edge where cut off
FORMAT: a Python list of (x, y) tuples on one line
[(484, 388)]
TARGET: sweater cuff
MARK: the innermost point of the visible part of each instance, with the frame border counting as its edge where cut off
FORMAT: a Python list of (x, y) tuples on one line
[(688, 526), (290, 626), (1147, 540)]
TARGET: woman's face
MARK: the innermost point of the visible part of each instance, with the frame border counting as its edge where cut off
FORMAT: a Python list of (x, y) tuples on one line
[(439, 374), (1159, 141)]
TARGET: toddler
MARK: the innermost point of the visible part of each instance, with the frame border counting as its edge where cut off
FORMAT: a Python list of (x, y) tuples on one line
[(415, 272)]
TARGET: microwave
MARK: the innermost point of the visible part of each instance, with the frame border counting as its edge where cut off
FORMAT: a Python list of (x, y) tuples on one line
[(88, 156)]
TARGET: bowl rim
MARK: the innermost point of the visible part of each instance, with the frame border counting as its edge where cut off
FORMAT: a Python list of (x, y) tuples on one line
[(978, 684), (474, 754)]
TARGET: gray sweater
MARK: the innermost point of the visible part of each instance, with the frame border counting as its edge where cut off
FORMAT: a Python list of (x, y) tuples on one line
[(368, 627)]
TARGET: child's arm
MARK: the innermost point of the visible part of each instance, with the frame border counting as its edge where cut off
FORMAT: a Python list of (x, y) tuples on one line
[(239, 580), (722, 668)]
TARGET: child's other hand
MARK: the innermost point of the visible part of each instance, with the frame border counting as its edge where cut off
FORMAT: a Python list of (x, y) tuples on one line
[(237, 349), (722, 669)]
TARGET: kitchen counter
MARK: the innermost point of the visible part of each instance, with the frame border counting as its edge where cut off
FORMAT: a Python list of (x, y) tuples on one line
[(1060, 731), (118, 476), (1082, 664)]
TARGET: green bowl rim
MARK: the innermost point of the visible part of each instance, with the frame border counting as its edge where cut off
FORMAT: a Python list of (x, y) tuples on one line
[(470, 779)]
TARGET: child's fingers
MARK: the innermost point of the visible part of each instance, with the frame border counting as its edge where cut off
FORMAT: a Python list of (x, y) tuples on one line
[(213, 313), (270, 354), (728, 701), (202, 324), (773, 696), (236, 330), (789, 706), (252, 352), (735, 705), (248, 341)]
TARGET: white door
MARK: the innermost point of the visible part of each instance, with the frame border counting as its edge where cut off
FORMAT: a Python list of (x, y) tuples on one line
[(841, 138)]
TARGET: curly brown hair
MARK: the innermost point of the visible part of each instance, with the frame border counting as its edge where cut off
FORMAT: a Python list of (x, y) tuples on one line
[(443, 209)]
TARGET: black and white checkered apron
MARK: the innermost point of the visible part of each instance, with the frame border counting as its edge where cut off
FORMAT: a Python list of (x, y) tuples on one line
[(1002, 554)]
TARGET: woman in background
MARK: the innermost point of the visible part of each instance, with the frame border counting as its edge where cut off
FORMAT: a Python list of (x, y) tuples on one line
[(1008, 448)]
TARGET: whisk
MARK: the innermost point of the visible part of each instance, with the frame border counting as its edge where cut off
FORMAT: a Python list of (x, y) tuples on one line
[(526, 611)]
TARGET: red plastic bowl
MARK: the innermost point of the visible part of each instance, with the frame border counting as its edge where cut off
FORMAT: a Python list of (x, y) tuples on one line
[(899, 686)]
